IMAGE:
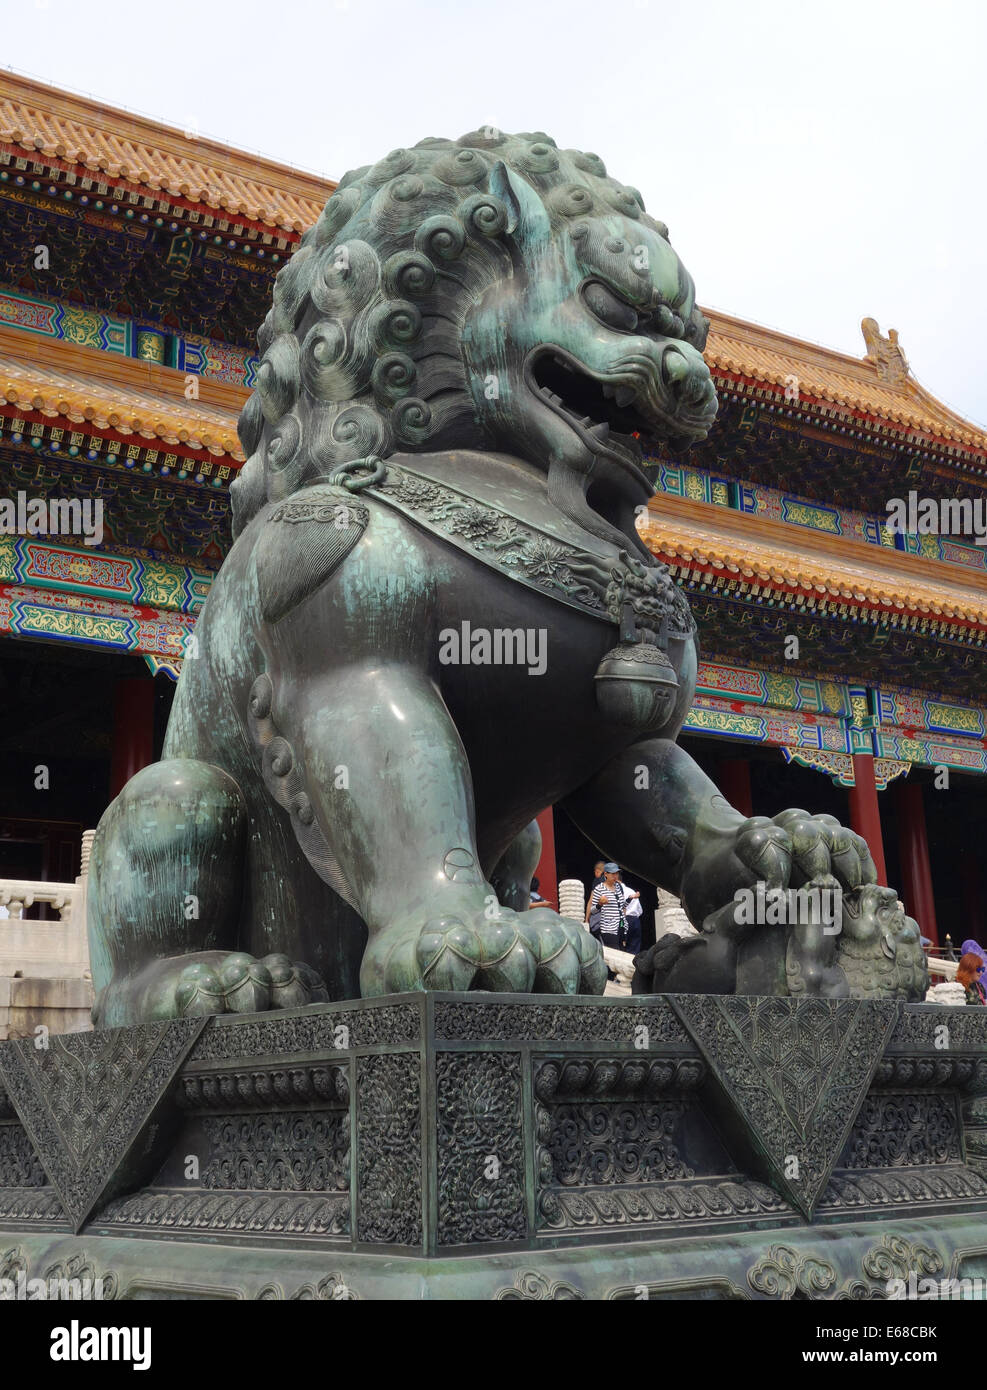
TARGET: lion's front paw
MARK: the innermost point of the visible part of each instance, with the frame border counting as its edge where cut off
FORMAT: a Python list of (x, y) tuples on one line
[(789, 850), (511, 952), (242, 984)]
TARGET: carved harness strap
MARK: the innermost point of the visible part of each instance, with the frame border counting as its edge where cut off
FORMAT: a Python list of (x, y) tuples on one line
[(641, 599), (636, 683)]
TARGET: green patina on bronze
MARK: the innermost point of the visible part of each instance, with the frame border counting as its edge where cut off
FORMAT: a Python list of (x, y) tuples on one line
[(444, 444)]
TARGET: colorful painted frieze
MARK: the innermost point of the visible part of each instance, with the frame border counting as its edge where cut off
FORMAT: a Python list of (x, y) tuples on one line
[(839, 766), (823, 724), (27, 561), (767, 725), (773, 688), (218, 361), (943, 751), (109, 624), (71, 323), (911, 711), (755, 499), (954, 552), (695, 484)]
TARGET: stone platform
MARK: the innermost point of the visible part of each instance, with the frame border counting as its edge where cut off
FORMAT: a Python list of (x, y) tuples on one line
[(498, 1146)]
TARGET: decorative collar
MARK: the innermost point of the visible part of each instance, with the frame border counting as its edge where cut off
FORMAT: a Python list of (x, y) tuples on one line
[(640, 599)]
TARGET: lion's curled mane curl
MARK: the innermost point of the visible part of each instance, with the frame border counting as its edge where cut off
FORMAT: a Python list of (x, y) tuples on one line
[(362, 347)]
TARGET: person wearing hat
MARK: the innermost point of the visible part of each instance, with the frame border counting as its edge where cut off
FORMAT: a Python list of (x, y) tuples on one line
[(609, 898)]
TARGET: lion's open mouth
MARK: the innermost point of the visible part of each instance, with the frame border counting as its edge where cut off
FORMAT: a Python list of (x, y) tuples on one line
[(604, 413)]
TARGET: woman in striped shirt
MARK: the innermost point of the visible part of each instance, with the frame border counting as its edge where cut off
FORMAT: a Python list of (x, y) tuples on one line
[(609, 898)]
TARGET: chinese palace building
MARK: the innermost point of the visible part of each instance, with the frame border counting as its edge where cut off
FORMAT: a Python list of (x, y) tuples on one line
[(136, 263)]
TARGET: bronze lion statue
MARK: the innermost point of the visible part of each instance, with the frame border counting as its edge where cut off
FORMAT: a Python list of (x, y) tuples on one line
[(437, 618)]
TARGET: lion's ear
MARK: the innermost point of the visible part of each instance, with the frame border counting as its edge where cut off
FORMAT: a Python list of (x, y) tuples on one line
[(527, 219)]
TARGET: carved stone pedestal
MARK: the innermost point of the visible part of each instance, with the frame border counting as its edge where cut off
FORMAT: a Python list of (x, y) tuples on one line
[(664, 1147)]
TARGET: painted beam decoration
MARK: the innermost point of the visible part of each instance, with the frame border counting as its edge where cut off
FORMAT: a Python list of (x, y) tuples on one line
[(90, 328), (97, 599), (821, 724), (69, 323), (757, 500), (114, 626), (27, 561)]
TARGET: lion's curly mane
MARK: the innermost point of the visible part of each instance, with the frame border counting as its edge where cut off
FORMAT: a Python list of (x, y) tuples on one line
[(361, 349)]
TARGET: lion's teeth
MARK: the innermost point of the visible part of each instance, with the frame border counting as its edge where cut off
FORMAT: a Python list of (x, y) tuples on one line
[(623, 396), (601, 431)]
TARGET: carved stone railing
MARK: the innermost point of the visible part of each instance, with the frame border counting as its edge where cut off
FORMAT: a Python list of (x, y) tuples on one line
[(939, 965), (622, 964), (17, 895), (44, 965), (31, 948)]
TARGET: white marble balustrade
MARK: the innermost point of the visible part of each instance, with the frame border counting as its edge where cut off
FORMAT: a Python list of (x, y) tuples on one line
[(44, 965)]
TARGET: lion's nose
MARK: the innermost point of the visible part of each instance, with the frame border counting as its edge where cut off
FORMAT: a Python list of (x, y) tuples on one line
[(686, 376)]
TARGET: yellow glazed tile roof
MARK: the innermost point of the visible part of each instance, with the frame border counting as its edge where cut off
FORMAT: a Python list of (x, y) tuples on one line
[(119, 145), (882, 387), (124, 395), (763, 552)]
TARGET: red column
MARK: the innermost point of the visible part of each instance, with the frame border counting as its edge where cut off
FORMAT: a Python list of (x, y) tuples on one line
[(546, 873), (133, 730), (734, 780), (913, 847), (865, 814)]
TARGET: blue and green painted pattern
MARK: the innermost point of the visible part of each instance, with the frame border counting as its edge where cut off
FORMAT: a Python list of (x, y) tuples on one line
[(60, 616), (72, 323), (694, 484), (99, 574), (69, 323), (755, 706), (753, 499)]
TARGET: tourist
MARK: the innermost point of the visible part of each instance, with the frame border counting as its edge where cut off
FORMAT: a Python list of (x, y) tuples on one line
[(593, 917), (536, 898), (968, 975), (631, 936), (972, 947), (609, 897)]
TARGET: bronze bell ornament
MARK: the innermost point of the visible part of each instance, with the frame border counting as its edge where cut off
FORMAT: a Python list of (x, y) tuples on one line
[(636, 685)]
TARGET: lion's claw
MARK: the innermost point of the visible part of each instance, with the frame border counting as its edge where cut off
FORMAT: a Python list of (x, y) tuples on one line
[(243, 984), (199, 992), (510, 952), (766, 849), (791, 849)]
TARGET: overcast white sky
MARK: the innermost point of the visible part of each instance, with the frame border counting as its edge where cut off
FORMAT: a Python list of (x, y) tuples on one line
[(814, 162)]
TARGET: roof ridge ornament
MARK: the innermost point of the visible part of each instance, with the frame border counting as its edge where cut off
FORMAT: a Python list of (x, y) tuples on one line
[(885, 353)]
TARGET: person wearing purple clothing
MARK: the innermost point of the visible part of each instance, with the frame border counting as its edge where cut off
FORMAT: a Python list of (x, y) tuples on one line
[(972, 948)]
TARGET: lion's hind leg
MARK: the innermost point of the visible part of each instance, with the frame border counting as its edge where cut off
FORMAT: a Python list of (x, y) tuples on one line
[(165, 885)]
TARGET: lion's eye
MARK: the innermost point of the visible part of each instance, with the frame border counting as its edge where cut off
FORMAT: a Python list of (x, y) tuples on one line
[(610, 310)]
